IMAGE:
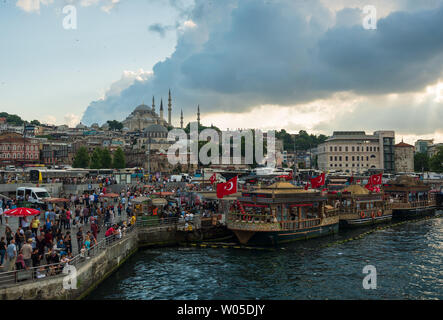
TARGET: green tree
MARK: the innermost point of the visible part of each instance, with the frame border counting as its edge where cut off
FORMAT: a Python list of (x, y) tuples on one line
[(96, 159), (81, 158), (119, 161), (421, 162), (12, 119), (436, 161), (35, 123), (106, 158), (115, 125)]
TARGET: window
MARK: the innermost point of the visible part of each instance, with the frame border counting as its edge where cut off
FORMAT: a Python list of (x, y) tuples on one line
[(367, 158), (346, 158), (330, 158), (339, 149), (353, 149), (367, 149), (346, 149), (339, 158), (335, 148), (353, 158), (358, 158), (358, 149), (335, 158), (330, 149)]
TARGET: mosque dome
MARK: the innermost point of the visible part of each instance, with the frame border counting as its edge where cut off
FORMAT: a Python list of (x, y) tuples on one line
[(156, 128), (142, 108)]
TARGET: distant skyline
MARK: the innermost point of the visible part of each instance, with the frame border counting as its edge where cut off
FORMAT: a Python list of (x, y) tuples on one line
[(270, 64)]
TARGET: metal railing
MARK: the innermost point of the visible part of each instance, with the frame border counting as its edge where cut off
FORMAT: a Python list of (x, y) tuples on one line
[(156, 223), (9, 278), (413, 204)]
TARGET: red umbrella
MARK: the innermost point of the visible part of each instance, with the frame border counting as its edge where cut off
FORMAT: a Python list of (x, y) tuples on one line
[(21, 212)]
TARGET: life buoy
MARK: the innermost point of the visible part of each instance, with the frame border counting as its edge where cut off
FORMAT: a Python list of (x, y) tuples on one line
[(362, 215), (379, 213), (373, 215)]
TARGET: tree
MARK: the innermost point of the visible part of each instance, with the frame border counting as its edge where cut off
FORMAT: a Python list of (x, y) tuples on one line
[(436, 161), (35, 123), (12, 119), (115, 125), (81, 159), (106, 158), (119, 161), (421, 162), (96, 159)]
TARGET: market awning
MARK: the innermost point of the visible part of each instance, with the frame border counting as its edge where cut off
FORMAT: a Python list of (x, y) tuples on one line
[(56, 200), (110, 195), (159, 202), (140, 199)]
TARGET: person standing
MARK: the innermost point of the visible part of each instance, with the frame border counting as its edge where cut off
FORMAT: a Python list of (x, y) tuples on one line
[(8, 234), (94, 229), (68, 219), (2, 250), (79, 239), (35, 223), (11, 253), (27, 253)]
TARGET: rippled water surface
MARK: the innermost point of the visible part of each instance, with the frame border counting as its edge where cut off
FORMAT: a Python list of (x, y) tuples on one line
[(408, 259)]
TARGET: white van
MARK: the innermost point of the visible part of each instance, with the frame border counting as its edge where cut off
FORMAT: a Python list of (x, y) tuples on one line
[(33, 195)]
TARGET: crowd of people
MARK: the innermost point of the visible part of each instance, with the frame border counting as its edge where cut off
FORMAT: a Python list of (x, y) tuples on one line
[(61, 231), (73, 226)]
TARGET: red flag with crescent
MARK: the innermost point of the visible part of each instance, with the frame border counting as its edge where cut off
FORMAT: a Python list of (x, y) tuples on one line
[(213, 178), (227, 188), (318, 181), (376, 179)]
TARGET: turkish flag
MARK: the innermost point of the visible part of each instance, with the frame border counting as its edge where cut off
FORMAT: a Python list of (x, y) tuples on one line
[(376, 179), (213, 178), (224, 189), (369, 186), (318, 181), (351, 180), (307, 186)]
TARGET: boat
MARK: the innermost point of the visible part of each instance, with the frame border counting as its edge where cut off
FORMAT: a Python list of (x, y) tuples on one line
[(360, 207), (281, 213), (410, 198)]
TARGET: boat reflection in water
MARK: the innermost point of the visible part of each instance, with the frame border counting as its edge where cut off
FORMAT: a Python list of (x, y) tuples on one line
[(281, 213)]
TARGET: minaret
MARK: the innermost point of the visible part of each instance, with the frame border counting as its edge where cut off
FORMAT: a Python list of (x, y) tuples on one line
[(153, 104), (161, 109), (169, 108), (181, 120), (198, 115)]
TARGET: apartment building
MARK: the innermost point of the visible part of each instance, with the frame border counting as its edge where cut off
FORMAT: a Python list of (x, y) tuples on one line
[(356, 152)]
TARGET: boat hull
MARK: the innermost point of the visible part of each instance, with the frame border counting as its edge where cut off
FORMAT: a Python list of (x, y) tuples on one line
[(412, 213), (357, 222), (273, 238)]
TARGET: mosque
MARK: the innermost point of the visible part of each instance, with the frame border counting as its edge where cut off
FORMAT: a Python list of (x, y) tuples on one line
[(144, 117)]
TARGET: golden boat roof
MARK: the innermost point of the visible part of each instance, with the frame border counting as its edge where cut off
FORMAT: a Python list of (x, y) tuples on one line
[(283, 187), (355, 189)]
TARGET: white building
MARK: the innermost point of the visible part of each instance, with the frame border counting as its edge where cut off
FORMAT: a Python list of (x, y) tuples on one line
[(356, 152)]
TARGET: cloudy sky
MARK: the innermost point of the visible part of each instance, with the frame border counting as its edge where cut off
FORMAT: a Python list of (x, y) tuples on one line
[(270, 64)]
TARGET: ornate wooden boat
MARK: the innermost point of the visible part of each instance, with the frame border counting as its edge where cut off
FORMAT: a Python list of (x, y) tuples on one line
[(359, 207), (410, 198), (281, 213)]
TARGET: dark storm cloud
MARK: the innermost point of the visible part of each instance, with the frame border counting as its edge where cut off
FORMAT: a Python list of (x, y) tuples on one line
[(250, 52), (159, 28)]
